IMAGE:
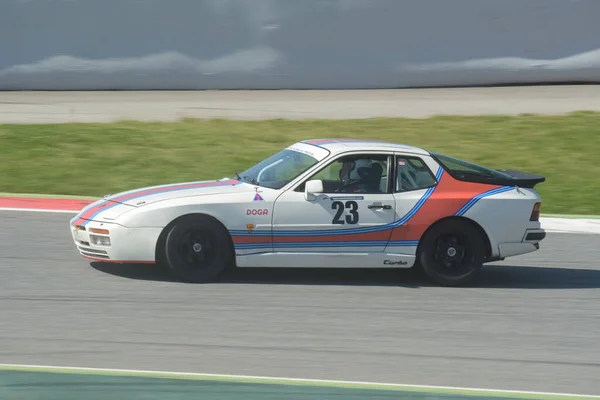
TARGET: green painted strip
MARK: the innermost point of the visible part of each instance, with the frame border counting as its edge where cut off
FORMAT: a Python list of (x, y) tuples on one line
[(297, 382)]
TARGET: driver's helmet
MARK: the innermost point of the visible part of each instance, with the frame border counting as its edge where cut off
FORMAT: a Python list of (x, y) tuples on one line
[(354, 170)]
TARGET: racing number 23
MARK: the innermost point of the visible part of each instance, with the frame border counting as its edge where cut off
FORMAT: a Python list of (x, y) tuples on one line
[(350, 219)]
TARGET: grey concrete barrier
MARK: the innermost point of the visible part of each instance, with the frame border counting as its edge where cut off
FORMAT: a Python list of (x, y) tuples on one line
[(295, 44)]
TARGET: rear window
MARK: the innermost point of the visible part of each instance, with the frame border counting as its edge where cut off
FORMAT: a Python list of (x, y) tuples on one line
[(465, 168)]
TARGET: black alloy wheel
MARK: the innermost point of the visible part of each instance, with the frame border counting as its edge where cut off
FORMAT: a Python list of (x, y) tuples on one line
[(452, 253), (198, 249)]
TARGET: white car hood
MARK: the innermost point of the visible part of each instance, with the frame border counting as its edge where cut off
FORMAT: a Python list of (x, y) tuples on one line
[(152, 194)]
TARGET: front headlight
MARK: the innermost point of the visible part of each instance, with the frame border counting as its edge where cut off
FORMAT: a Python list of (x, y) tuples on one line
[(100, 240)]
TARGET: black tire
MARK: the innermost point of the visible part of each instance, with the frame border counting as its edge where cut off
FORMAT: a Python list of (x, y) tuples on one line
[(198, 249), (448, 267)]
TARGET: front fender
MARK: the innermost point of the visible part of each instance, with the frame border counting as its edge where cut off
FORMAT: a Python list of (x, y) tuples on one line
[(159, 217), (235, 211)]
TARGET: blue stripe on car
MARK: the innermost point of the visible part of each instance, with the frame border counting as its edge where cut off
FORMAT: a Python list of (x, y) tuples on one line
[(167, 189), (475, 199)]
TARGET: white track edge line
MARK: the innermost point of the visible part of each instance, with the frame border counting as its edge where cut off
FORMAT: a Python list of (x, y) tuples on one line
[(191, 374)]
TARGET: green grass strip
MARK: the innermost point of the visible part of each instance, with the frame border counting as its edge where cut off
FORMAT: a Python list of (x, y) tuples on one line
[(567, 216), (92, 160), (300, 382)]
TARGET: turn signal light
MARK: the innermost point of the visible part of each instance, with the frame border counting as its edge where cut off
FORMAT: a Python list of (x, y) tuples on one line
[(100, 231), (535, 214)]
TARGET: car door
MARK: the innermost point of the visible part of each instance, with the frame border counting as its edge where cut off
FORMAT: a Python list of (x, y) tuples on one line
[(414, 182), (348, 216)]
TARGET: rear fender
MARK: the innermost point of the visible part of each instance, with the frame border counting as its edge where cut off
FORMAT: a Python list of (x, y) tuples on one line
[(489, 250)]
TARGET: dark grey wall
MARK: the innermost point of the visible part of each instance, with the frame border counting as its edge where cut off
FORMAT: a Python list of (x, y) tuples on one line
[(249, 44)]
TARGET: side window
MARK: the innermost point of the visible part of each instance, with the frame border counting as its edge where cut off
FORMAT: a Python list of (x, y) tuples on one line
[(355, 174), (412, 174)]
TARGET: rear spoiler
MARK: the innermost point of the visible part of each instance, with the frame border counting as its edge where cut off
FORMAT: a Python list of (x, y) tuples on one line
[(521, 179)]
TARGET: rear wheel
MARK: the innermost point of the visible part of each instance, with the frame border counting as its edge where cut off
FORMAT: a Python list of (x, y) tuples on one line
[(452, 253), (198, 249)]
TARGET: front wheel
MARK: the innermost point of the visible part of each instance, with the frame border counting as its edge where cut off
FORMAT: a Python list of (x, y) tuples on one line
[(452, 253), (198, 249)]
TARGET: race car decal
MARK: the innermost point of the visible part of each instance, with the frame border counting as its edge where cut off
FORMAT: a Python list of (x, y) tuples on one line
[(90, 212), (359, 237), (257, 211), (307, 245), (258, 197), (449, 197), (403, 243)]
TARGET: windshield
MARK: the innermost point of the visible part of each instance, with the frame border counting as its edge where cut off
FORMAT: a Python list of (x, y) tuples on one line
[(461, 167), (278, 170)]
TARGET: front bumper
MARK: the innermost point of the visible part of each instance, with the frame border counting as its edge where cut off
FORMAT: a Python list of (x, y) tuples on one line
[(127, 245)]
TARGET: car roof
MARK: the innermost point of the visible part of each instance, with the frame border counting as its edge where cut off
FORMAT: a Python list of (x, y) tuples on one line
[(337, 145)]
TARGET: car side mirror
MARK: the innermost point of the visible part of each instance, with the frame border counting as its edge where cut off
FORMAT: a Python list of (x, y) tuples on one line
[(313, 188)]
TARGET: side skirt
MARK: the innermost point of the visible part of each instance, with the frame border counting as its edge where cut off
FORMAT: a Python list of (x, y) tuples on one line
[(326, 260)]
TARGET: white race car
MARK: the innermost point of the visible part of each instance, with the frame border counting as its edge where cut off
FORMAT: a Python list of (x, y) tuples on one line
[(324, 203)]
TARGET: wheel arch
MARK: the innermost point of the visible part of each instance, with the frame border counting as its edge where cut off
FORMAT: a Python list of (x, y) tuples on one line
[(160, 242), (484, 235)]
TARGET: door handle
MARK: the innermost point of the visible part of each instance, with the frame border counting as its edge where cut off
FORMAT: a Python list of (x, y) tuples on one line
[(379, 205)]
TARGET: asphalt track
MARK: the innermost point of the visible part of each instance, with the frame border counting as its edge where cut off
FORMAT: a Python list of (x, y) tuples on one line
[(58, 107), (530, 323)]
